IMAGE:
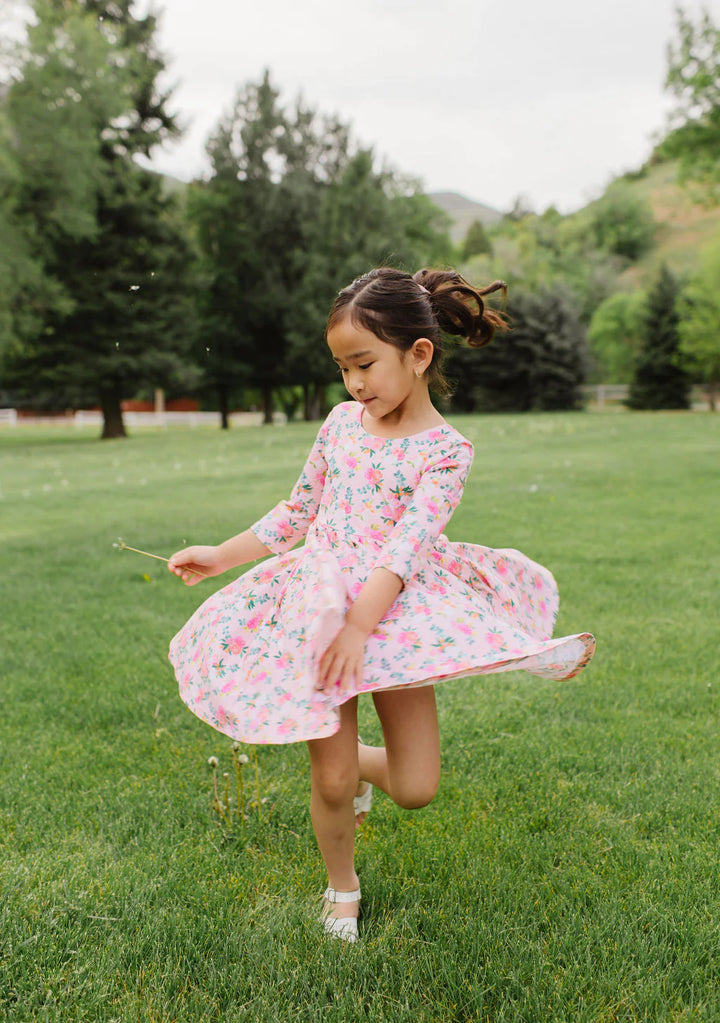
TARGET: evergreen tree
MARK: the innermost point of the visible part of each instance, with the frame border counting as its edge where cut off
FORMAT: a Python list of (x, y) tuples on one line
[(364, 217), (126, 322), (290, 215), (476, 242), (660, 380), (539, 364), (62, 89)]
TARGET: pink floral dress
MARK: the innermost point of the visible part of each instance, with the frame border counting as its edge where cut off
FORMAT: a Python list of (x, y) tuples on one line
[(247, 660)]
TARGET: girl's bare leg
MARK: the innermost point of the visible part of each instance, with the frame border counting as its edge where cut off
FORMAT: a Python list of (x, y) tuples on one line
[(334, 771), (407, 768)]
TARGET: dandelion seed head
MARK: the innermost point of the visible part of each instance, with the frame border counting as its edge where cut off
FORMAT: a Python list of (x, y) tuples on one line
[(213, 762), (243, 759)]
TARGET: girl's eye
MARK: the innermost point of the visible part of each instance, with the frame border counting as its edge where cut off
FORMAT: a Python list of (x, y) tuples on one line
[(366, 366)]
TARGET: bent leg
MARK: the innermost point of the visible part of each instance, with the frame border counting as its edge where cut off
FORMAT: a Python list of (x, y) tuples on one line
[(407, 768), (334, 772)]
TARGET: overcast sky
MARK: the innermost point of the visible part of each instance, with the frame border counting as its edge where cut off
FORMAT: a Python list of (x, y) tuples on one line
[(547, 100)]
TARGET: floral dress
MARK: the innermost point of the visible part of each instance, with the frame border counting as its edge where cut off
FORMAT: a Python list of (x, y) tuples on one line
[(247, 661)]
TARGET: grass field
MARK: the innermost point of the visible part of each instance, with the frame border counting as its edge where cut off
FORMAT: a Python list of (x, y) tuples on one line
[(568, 869)]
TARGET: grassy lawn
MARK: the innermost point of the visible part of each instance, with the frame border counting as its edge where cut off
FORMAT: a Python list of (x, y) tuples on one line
[(568, 869)]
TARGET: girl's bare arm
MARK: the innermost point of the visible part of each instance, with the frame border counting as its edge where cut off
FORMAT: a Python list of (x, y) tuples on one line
[(192, 563)]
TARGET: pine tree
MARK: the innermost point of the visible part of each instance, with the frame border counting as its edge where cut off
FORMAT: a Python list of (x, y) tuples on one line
[(660, 379), (127, 319), (476, 242), (539, 364)]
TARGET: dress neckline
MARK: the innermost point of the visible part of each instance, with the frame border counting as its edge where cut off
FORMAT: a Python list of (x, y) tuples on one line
[(408, 436)]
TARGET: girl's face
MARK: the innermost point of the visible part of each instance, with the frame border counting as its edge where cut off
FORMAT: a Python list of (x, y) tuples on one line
[(377, 374)]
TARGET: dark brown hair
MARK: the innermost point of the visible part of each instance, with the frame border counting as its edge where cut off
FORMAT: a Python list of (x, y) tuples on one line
[(399, 308)]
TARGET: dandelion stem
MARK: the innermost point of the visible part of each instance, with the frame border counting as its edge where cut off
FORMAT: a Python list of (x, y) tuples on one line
[(122, 546), (257, 782)]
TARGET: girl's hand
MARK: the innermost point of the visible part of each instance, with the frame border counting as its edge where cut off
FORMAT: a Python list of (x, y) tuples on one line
[(193, 563), (342, 662)]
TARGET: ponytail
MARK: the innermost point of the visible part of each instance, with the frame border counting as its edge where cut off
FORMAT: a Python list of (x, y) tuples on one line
[(459, 307), (399, 308)]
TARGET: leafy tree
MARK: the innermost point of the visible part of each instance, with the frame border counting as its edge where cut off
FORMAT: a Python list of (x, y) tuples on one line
[(251, 216), (623, 223), (365, 217), (538, 252), (120, 257), (699, 326), (290, 215), (660, 380), (63, 87), (693, 78), (476, 241), (539, 364), (614, 336)]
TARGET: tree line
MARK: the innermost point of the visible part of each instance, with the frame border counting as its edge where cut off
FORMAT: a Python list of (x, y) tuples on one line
[(112, 282)]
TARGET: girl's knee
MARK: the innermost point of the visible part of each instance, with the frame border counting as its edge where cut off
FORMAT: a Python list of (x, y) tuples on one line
[(418, 793), (334, 787)]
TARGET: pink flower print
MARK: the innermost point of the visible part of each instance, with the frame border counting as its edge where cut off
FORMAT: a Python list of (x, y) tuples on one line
[(267, 576), (346, 507), (435, 434), (237, 644), (408, 638), (252, 623), (285, 530), (465, 628), (542, 607), (224, 717), (501, 566), (494, 639), (373, 476), (350, 462), (283, 661), (454, 567), (228, 686), (537, 582), (399, 454), (433, 507)]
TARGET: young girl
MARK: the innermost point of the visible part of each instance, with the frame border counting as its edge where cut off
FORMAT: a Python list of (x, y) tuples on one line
[(378, 600)]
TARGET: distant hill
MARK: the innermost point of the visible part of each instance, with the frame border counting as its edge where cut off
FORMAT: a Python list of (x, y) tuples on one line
[(463, 212), (686, 221)]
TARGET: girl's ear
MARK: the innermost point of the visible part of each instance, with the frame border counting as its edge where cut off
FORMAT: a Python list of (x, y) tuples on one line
[(421, 354)]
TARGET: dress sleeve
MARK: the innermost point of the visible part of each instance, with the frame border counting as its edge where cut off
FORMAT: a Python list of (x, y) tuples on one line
[(436, 496), (288, 522)]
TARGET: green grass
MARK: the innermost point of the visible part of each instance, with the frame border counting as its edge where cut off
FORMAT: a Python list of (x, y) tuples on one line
[(568, 869)]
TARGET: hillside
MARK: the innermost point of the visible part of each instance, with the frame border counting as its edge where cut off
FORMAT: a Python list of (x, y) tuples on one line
[(686, 222), (463, 212)]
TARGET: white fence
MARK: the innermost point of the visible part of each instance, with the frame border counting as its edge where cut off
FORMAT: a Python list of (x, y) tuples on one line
[(158, 420)]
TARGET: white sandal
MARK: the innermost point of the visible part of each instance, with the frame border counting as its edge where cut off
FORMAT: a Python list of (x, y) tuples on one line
[(363, 803), (344, 927)]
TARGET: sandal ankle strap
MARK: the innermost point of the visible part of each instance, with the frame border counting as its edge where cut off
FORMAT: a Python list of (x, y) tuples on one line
[(333, 895)]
